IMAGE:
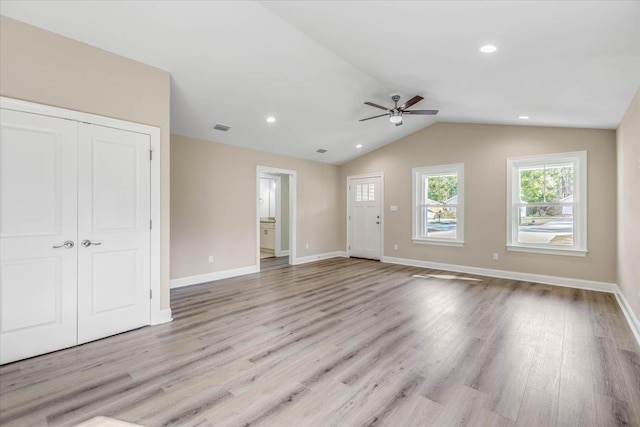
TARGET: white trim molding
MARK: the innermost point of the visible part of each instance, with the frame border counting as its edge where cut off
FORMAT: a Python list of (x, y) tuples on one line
[(157, 314), (318, 257), (513, 275), (567, 282), (243, 271), (634, 324), (578, 204), (212, 277), (418, 232), (293, 206), (348, 220), (163, 317), (438, 242), (547, 251)]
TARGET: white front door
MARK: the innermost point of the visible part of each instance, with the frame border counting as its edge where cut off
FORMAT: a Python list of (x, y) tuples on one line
[(38, 246), (365, 217), (113, 231)]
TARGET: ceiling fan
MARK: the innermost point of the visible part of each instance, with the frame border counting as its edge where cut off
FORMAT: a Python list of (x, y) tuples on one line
[(395, 114)]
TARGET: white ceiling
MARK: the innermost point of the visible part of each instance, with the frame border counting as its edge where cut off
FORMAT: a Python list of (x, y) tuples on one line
[(312, 64)]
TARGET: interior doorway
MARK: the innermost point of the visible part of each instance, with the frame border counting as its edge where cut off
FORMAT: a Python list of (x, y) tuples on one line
[(275, 217)]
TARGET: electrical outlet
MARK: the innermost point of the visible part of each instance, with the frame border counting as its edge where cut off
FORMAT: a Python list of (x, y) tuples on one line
[(495, 256), (306, 246), (210, 258), (393, 208), (395, 247)]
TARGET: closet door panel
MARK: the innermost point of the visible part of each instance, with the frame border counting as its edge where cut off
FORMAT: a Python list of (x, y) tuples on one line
[(114, 216), (38, 214)]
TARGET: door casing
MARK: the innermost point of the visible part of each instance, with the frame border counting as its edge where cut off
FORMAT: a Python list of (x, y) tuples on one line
[(158, 314), (293, 204), (348, 230)]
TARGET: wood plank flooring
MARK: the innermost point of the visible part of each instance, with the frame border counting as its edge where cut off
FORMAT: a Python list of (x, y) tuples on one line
[(346, 342), (272, 263)]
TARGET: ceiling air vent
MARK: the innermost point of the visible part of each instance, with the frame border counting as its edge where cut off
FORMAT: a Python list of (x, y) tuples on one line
[(321, 150), (222, 128)]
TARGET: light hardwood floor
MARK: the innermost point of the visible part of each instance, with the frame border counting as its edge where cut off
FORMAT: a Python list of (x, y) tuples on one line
[(346, 342), (273, 263)]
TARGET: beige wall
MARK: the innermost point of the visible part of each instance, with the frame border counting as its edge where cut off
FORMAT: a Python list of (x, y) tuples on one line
[(213, 205), (43, 67), (628, 147), (484, 149)]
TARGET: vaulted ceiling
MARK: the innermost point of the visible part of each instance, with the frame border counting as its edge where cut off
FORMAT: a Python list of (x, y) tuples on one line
[(312, 64)]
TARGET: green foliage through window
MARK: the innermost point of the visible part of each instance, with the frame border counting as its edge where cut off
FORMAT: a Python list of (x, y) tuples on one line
[(546, 184), (442, 188)]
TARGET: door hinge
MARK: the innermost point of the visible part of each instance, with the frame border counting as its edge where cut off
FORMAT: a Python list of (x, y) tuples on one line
[(349, 217), (150, 224), (150, 293), (150, 155), (349, 247)]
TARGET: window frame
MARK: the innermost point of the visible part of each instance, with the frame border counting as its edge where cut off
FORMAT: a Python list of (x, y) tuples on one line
[(514, 203), (418, 174)]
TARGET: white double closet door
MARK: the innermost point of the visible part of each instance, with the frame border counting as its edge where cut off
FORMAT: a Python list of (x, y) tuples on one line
[(74, 233)]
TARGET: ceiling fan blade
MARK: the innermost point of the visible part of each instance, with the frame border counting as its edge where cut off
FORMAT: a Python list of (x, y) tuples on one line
[(410, 102), (377, 106), (422, 112), (374, 117), (399, 124)]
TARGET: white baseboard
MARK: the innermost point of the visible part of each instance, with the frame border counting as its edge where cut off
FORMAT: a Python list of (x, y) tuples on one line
[(613, 288), (514, 275), (634, 324), (164, 316), (210, 277), (318, 257), (225, 274), (282, 253)]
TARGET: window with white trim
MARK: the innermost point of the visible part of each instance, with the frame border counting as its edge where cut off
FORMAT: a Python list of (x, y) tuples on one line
[(547, 204), (438, 204)]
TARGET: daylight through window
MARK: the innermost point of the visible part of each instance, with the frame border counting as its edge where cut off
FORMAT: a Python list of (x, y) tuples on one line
[(438, 200), (547, 202)]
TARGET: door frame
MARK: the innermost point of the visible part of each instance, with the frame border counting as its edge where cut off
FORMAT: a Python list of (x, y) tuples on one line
[(293, 203), (366, 175), (157, 315), (278, 214)]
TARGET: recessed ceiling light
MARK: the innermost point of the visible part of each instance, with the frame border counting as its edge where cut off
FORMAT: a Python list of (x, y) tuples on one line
[(359, 146), (523, 117), (488, 48), (271, 119)]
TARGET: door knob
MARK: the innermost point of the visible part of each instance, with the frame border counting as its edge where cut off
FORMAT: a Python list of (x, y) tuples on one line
[(67, 245), (87, 243), (377, 222)]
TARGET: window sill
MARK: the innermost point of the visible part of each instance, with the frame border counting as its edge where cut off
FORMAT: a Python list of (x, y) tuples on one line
[(456, 243), (548, 251)]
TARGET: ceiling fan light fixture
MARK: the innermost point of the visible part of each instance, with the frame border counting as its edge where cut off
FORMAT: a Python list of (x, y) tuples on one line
[(395, 118)]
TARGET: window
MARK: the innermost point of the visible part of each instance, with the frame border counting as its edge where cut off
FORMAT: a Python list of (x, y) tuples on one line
[(547, 204), (365, 192), (438, 200)]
